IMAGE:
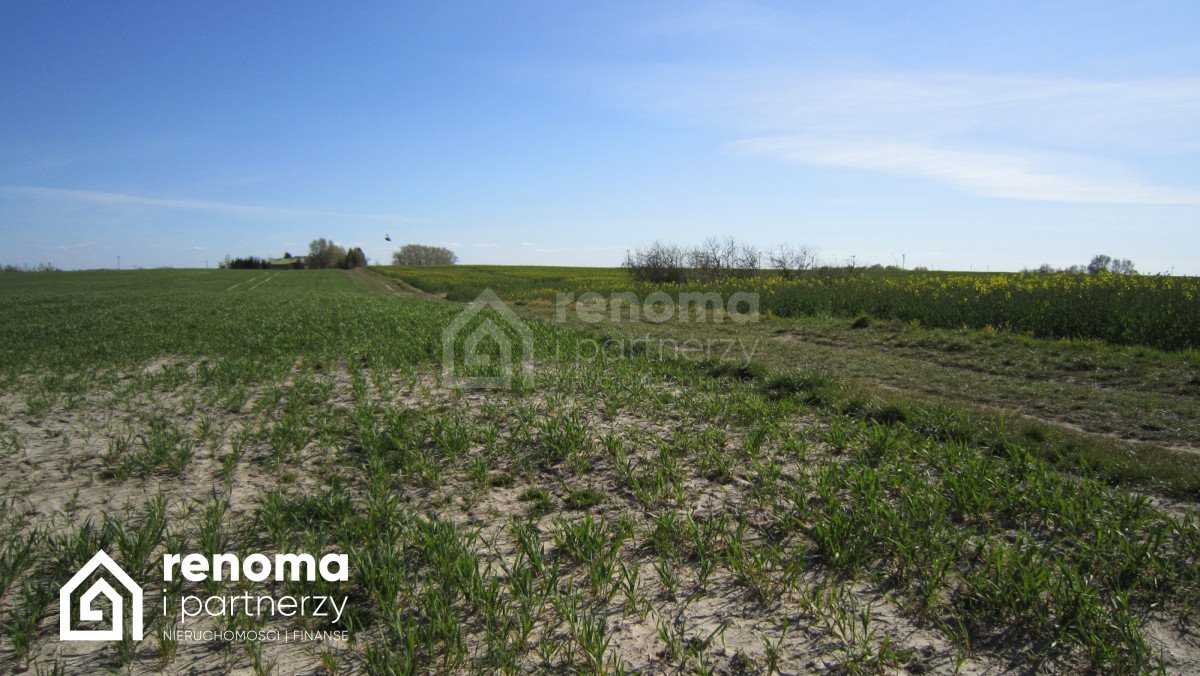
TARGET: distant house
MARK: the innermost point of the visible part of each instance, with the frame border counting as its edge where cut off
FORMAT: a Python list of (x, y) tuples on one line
[(293, 263)]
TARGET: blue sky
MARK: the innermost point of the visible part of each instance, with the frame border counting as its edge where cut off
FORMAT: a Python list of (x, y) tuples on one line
[(959, 135)]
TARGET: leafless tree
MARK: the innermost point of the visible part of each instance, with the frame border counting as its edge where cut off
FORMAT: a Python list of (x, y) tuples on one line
[(790, 260), (658, 262)]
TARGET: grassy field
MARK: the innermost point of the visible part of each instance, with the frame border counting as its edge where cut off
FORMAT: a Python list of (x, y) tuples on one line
[(618, 508), (512, 282), (1156, 311)]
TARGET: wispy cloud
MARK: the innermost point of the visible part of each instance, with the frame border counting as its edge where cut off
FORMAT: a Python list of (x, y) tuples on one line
[(988, 174), (123, 199), (990, 135), (1158, 112)]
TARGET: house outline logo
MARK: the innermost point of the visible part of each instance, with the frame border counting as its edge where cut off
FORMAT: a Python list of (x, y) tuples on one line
[(486, 329), (87, 613)]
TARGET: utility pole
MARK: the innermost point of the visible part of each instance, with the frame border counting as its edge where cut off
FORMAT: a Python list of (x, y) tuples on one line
[(118, 262)]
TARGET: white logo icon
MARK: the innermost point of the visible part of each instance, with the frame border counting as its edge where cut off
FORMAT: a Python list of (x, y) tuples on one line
[(89, 614), (486, 331)]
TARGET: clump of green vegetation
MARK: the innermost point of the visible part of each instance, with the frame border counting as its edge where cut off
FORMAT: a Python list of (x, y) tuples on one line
[(736, 370), (813, 387), (500, 480), (542, 503), (584, 498)]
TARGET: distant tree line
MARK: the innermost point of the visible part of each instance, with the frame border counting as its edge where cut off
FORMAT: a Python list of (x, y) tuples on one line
[(1101, 264), (322, 253), (715, 259), (40, 267), (247, 263), (420, 254)]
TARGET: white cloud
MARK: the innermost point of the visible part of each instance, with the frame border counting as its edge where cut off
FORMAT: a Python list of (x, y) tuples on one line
[(122, 199), (486, 245), (1159, 113), (988, 174), (1047, 139)]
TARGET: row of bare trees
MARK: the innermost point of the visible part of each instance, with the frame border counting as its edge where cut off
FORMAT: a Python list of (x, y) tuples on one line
[(715, 258), (40, 267)]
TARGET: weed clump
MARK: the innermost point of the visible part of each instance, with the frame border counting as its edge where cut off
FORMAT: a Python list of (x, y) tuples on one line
[(813, 387), (883, 412), (585, 498), (542, 504), (736, 371)]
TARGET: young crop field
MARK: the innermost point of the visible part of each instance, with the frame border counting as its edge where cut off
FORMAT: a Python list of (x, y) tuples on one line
[(1156, 311), (612, 508), (512, 282)]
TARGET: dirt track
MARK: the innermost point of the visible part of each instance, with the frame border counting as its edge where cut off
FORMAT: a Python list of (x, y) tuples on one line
[(377, 283)]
